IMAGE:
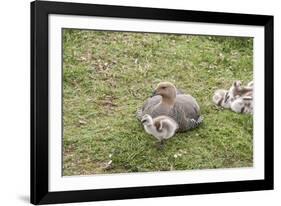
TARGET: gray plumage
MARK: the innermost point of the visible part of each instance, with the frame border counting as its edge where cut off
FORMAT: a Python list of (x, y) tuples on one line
[(183, 108)]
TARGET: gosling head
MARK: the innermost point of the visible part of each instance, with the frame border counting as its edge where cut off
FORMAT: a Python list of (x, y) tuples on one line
[(236, 88), (147, 120), (234, 92), (237, 84), (166, 90)]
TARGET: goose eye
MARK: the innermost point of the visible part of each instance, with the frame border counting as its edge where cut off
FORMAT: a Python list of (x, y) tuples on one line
[(164, 87)]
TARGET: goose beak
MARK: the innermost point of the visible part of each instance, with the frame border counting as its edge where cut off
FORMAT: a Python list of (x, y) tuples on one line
[(154, 93)]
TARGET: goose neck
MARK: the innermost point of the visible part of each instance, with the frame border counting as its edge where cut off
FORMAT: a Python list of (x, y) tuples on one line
[(168, 101)]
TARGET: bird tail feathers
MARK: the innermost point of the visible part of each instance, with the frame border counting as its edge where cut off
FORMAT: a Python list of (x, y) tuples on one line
[(195, 123)]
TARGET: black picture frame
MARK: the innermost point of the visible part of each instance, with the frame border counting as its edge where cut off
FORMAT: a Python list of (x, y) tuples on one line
[(39, 102)]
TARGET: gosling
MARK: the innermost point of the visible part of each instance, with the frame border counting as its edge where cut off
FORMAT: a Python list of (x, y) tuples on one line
[(242, 98), (235, 97), (237, 90), (161, 127), (243, 105), (220, 98)]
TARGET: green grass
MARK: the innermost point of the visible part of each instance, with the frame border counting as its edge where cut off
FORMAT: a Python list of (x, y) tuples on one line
[(108, 75)]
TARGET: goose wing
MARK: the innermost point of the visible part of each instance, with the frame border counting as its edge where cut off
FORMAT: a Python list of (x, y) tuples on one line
[(186, 112), (149, 107)]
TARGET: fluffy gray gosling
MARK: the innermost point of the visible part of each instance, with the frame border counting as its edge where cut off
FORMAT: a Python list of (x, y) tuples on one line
[(161, 127)]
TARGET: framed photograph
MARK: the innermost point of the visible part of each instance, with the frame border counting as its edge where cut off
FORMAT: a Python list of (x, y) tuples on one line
[(131, 102)]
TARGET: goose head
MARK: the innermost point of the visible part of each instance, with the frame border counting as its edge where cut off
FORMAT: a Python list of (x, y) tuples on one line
[(147, 120), (167, 90)]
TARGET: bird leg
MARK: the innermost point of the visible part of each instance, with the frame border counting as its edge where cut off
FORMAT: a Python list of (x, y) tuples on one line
[(160, 144)]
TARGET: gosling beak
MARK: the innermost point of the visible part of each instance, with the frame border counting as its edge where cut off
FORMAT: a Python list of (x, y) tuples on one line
[(154, 93), (143, 121)]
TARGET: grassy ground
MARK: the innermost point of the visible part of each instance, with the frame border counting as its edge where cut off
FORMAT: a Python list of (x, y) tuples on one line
[(108, 75)]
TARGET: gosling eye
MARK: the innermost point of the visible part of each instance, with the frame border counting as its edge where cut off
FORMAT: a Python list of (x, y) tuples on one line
[(164, 87)]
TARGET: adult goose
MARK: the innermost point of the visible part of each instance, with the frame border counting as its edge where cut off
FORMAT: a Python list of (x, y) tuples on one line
[(183, 108)]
